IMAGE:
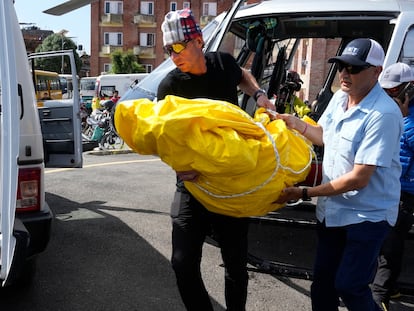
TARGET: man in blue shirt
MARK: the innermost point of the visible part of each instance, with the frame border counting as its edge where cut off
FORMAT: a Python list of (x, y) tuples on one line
[(393, 81), (359, 194)]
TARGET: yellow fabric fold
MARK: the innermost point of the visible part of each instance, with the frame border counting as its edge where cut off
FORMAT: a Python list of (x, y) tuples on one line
[(243, 162)]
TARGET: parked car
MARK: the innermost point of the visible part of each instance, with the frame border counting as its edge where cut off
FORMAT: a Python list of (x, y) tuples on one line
[(272, 38)]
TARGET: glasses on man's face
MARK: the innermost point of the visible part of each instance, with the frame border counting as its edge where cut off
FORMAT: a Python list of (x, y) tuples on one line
[(177, 47), (351, 69)]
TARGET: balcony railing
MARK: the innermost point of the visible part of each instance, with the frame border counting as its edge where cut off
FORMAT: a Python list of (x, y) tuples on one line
[(205, 19), (144, 20), (111, 18), (144, 51), (109, 49)]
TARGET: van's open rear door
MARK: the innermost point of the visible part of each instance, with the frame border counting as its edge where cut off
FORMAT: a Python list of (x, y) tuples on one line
[(60, 122), (9, 138)]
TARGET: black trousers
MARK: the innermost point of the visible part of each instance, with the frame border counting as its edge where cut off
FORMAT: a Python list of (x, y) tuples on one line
[(191, 224), (390, 259)]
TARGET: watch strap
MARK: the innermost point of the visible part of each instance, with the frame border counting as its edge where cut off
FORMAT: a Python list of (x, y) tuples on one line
[(258, 93), (305, 196)]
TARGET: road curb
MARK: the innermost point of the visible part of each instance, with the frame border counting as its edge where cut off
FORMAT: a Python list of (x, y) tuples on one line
[(109, 152)]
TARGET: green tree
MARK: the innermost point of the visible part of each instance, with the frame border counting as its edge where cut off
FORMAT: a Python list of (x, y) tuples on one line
[(54, 43), (125, 62)]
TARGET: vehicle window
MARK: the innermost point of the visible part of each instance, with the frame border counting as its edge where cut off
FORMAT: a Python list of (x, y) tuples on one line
[(48, 85), (107, 90), (407, 53), (271, 47), (87, 85)]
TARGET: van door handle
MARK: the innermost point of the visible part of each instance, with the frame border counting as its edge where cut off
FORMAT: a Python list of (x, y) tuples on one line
[(20, 93), (46, 113)]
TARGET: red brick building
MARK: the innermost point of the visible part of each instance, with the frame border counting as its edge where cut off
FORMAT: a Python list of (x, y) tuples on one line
[(136, 25), (310, 63), (33, 36)]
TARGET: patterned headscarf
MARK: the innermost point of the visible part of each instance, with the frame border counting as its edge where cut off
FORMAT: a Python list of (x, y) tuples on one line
[(179, 26)]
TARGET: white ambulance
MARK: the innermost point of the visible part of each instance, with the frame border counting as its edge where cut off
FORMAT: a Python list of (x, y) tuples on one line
[(107, 83)]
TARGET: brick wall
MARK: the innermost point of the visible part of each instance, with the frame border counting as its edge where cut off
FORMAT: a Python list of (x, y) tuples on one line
[(131, 31)]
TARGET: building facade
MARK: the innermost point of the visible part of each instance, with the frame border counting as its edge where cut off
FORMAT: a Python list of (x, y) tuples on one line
[(135, 25), (33, 37), (311, 65)]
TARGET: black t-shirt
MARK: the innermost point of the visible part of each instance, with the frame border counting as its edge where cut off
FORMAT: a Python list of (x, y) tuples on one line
[(219, 82)]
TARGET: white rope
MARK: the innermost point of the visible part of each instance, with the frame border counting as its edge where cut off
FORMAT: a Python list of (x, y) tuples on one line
[(311, 154), (275, 170)]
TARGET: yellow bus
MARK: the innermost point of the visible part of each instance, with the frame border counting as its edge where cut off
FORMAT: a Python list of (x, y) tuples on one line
[(47, 85)]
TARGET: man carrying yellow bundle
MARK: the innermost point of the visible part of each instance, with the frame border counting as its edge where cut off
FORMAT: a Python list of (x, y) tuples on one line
[(215, 76), (228, 164)]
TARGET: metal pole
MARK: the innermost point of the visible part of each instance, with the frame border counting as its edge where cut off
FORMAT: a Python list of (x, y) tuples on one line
[(61, 69), (63, 32)]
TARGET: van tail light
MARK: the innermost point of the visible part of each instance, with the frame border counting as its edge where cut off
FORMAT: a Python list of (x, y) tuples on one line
[(28, 190)]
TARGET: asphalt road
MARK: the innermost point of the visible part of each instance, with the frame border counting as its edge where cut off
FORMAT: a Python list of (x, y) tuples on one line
[(110, 247)]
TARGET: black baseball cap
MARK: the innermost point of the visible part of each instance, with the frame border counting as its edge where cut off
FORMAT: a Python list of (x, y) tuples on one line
[(361, 52)]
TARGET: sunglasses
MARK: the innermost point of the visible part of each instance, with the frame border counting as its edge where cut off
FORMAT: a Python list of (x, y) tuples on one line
[(351, 69), (177, 48)]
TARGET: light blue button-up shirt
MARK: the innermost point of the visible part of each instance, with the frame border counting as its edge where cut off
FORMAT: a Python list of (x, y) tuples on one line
[(368, 133)]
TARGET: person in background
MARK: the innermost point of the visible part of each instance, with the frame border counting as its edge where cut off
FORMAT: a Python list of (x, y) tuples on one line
[(96, 104), (115, 96), (46, 96), (360, 190), (108, 105), (214, 75), (384, 287)]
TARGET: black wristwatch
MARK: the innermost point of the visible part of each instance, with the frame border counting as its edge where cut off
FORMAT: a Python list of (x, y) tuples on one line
[(258, 93), (305, 196)]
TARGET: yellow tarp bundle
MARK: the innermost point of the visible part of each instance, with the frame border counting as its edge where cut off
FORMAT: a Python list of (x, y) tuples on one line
[(244, 163)]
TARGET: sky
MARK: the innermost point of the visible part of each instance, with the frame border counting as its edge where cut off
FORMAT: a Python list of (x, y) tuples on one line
[(77, 22)]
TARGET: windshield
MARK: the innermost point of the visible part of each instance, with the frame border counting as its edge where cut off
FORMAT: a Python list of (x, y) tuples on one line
[(88, 84)]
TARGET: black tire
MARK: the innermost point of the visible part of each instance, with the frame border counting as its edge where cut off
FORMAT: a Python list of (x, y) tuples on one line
[(87, 131), (111, 141)]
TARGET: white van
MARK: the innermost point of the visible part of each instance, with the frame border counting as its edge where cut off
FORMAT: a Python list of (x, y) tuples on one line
[(25, 215), (87, 90), (272, 37)]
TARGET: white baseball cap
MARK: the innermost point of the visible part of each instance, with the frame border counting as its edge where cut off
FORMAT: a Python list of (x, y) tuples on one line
[(396, 74)]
